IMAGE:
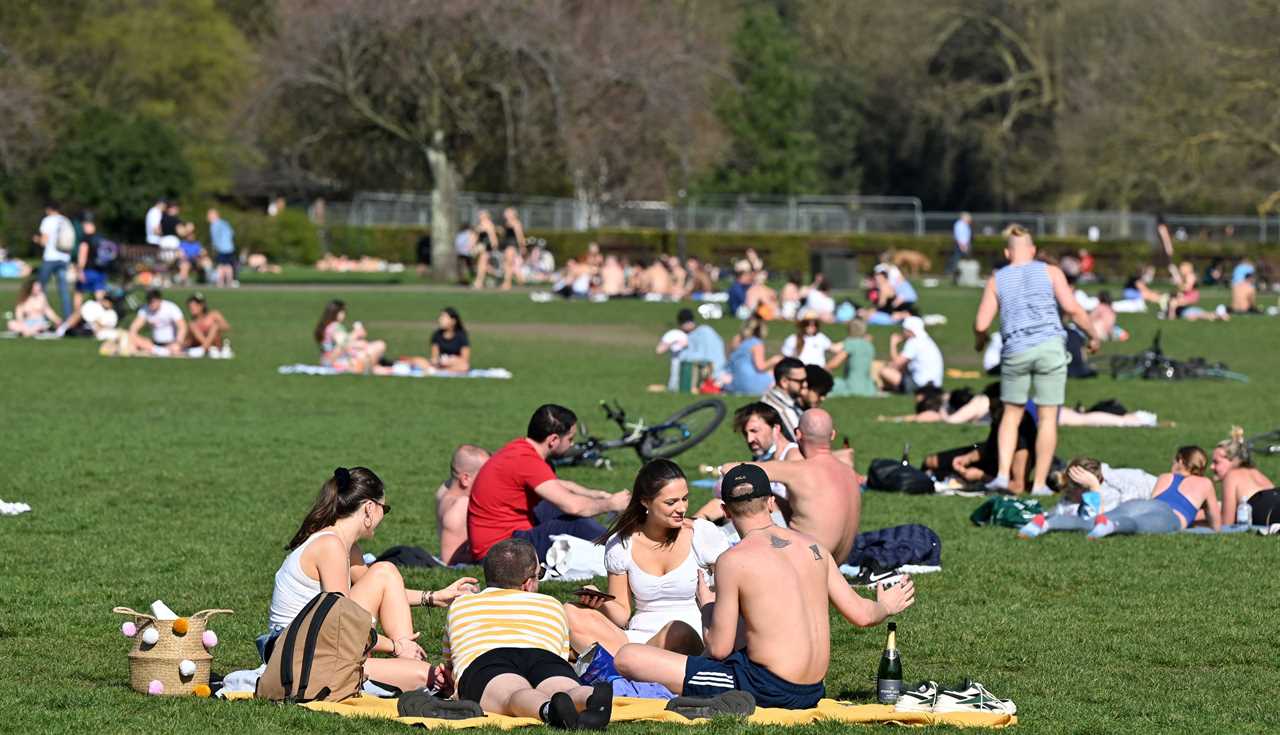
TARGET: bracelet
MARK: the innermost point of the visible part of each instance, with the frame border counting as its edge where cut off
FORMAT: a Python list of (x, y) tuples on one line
[(431, 598), (394, 648)]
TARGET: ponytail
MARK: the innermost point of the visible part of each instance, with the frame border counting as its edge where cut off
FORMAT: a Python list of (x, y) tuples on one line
[(1193, 459), (1236, 448), (340, 496)]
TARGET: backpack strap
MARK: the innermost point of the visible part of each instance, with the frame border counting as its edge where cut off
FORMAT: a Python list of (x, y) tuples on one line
[(309, 647), (290, 641)]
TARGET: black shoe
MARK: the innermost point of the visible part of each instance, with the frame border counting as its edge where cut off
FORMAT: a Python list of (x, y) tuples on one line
[(733, 703), (419, 703), (561, 713), (599, 708)]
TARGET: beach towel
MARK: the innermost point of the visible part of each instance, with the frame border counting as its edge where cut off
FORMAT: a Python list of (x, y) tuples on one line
[(400, 371), (627, 709)]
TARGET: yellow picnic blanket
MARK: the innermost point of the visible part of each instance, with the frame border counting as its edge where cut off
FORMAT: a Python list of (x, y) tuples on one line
[(627, 709)]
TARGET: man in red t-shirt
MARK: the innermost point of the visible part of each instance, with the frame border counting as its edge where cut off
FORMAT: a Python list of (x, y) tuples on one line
[(516, 493)]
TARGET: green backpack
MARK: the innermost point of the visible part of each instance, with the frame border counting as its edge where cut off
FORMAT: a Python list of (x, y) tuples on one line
[(1005, 511)]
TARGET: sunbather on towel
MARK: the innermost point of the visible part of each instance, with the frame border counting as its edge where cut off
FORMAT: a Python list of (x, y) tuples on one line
[(508, 646), (788, 634), (325, 555), (654, 555)]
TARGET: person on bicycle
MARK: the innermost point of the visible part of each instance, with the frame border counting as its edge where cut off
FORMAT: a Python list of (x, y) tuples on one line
[(1027, 294), (517, 494)]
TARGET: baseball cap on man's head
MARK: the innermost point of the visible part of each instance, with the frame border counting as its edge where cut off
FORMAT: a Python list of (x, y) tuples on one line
[(745, 474), (913, 324), (684, 316)]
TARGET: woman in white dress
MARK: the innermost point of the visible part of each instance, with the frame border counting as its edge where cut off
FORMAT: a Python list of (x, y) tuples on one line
[(324, 555), (655, 556)]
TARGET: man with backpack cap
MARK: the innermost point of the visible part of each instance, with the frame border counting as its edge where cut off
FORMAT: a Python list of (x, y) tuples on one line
[(58, 238)]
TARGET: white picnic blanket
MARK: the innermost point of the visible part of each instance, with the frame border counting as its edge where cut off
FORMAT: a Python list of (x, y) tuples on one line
[(400, 370)]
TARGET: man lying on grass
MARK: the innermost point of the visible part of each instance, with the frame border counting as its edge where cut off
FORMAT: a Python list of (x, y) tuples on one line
[(508, 647), (788, 635)]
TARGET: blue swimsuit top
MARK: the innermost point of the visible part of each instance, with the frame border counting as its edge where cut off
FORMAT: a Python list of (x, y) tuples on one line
[(1177, 501)]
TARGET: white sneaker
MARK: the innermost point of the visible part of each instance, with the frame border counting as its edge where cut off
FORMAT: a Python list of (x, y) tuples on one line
[(973, 697), (1041, 491), (919, 699)]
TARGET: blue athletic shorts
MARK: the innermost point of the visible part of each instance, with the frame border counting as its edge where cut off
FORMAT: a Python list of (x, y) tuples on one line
[(94, 281), (707, 677)]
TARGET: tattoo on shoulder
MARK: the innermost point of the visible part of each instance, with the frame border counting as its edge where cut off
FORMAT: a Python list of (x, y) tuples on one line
[(817, 552), (778, 543)]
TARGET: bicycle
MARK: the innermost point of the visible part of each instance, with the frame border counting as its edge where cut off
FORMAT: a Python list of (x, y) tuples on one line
[(1153, 364), (1268, 443), (680, 432)]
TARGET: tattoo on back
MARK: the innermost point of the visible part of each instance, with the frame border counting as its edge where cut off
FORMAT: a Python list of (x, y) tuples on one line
[(817, 553), (778, 543)]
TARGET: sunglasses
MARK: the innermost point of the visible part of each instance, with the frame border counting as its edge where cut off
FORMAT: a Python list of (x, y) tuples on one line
[(386, 508), (539, 573)]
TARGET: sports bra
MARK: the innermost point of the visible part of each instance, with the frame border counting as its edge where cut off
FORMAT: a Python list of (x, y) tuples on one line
[(1178, 502)]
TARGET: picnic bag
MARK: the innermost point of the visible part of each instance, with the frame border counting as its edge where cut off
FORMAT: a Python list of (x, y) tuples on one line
[(183, 643), (321, 655), (896, 475), (1005, 511)]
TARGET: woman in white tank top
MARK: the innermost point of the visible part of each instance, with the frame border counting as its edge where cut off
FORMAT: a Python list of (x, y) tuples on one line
[(655, 558), (324, 556)]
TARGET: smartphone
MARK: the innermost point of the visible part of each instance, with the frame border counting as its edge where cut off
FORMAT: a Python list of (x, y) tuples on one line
[(588, 592)]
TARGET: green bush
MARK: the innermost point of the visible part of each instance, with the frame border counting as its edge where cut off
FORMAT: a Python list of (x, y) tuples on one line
[(287, 238)]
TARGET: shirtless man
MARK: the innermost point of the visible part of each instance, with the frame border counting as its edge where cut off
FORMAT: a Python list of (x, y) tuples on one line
[(788, 635), (613, 279), (657, 279), (822, 489), (452, 499)]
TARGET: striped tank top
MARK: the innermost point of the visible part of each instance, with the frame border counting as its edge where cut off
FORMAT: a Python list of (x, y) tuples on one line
[(1028, 310)]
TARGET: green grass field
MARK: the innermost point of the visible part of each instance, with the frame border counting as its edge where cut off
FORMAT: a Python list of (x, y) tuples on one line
[(182, 480)]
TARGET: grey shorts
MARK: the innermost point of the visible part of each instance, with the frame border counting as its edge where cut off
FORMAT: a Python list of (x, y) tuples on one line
[(1038, 374)]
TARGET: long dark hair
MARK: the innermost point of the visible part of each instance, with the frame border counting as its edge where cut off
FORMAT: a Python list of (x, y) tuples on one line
[(329, 316), (24, 291), (341, 495), (654, 476), (458, 328)]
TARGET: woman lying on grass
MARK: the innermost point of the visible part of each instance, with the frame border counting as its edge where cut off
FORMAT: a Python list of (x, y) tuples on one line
[(1178, 495), (654, 556), (1244, 483), (324, 556), (961, 406)]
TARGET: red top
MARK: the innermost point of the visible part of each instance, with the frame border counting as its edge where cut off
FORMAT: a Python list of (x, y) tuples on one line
[(502, 496)]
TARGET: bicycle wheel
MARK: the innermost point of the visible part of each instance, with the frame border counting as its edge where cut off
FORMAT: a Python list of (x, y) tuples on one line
[(682, 430), (1268, 443)]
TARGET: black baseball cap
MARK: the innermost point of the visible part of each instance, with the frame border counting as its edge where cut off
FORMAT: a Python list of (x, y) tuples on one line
[(745, 474), (684, 316)]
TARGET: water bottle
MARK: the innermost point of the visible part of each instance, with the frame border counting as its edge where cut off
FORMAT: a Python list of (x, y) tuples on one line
[(1244, 514)]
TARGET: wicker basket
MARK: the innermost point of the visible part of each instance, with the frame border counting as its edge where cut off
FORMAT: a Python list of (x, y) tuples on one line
[(159, 662)]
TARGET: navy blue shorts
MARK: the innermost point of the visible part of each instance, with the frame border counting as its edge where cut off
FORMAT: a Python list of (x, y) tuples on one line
[(707, 677), (94, 281), (225, 258)]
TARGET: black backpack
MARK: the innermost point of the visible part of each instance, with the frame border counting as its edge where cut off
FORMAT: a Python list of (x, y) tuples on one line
[(897, 475)]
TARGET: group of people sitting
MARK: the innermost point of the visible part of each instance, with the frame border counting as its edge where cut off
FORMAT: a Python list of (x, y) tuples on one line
[(160, 329), (846, 368), (350, 349), (600, 277), (1183, 302), (484, 252), (685, 612)]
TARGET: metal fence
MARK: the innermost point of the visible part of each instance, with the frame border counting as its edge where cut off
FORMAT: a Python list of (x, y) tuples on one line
[(809, 214)]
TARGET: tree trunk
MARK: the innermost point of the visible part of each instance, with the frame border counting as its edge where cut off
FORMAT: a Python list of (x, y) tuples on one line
[(444, 209)]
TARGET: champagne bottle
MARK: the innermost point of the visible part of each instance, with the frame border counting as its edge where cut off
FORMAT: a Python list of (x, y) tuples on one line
[(889, 676)]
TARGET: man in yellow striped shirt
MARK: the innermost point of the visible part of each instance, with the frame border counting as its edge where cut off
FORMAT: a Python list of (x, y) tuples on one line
[(508, 647)]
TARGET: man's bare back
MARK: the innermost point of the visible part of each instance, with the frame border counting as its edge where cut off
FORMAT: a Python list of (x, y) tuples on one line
[(789, 633), (823, 491)]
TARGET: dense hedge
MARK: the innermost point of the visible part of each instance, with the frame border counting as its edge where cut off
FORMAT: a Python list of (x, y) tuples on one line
[(291, 238)]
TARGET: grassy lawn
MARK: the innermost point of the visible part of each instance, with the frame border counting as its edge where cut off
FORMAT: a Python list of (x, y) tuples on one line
[(182, 480)]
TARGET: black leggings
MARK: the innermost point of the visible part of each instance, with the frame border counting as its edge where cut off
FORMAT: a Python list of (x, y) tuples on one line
[(1266, 507)]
